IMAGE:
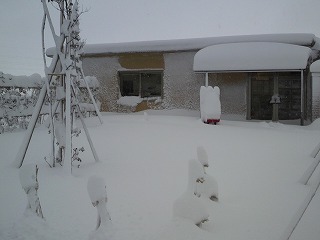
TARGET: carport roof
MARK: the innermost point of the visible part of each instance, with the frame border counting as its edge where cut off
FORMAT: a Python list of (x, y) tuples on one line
[(252, 56)]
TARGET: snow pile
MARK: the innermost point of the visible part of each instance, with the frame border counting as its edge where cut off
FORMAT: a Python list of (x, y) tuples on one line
[(210, 106), (202, 156), (208, 188), (29, 182), (315, 124), (28, 177), (189, 206), (97, 191), (130, 101)]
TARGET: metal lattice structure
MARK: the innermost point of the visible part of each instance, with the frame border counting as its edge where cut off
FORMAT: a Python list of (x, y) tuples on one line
[(64, 73)]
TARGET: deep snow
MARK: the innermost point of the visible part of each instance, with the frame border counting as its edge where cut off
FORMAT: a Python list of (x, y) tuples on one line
[(144, 161)]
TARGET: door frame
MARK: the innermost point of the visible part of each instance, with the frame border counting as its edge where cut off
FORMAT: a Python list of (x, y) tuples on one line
[(275, 91)]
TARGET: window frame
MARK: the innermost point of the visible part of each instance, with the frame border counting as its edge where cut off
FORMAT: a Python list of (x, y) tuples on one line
[(140, 73)]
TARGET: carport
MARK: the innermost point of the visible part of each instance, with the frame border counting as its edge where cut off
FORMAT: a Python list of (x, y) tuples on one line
[(259, 57)]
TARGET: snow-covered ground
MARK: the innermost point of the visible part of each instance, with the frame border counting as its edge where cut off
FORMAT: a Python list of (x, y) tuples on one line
[(144, 162)]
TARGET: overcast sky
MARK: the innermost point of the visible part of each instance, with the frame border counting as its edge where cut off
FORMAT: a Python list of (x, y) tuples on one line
[(139, 20)]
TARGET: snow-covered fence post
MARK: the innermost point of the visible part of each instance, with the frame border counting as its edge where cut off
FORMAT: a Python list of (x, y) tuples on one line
[(189, 206), (209, 186), (98, 195), (28, 178)]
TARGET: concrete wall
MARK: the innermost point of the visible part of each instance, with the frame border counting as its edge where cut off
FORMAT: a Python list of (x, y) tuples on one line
[(233, 92), (181, 86)]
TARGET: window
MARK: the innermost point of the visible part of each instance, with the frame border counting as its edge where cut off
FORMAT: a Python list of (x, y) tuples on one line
[(143, 84)]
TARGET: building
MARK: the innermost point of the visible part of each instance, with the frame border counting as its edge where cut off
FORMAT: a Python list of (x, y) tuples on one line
[(261, 77)]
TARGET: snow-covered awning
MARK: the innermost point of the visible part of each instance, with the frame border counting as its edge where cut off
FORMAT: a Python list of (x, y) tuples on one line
[(251, 56)]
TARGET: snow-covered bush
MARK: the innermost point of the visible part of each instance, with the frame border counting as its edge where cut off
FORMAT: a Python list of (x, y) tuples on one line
[(98, 196), (210, 105), (29, 182), (18, 96), (189, 206), (202, 156), (208, 187)]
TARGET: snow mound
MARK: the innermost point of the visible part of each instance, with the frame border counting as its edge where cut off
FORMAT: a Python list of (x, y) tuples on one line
[(315, 124), (130, 101), (202, 156), (210, 106), (28, 176), (209, 188), (96, 189), (189, 206)]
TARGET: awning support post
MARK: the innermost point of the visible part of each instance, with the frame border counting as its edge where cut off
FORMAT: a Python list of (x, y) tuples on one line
[(207, 79), (302, 100)]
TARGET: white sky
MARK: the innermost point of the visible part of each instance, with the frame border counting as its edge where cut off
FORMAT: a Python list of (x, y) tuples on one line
[(138, 20)]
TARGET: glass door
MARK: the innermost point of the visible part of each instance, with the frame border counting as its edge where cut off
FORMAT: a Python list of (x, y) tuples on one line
[(286, 85), (262, 85)]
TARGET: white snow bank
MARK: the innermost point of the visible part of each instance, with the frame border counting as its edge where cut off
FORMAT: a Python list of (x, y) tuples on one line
[(130, 101), (28, 176), (315, 124), (189, 205), (145, 166), (210, 106), (251, 56), (202, 156)]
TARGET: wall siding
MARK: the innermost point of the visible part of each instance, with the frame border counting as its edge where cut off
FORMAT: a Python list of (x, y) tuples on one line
[(181, 86), (233, 92)]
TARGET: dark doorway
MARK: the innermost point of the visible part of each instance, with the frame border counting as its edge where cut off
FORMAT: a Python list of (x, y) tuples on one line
[(285, 85)]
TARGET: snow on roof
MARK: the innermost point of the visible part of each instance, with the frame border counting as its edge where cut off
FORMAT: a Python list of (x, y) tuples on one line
[(302, 39), (315, 67), (251, 56)]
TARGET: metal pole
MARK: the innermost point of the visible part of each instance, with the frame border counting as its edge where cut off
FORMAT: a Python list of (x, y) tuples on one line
[(302, 100), (207, 79)]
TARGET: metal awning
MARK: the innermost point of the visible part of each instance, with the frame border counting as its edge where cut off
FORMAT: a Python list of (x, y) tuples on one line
[(251, 56)]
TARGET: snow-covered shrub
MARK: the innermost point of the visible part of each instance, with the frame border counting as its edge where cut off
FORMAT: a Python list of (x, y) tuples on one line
[(29, 182), (202, 156), (208, 187), (189, 205), (210, 105), (98, 196), (18, 96)]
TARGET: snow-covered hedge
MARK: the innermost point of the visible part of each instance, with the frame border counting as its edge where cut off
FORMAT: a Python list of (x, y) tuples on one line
[(19, 94)]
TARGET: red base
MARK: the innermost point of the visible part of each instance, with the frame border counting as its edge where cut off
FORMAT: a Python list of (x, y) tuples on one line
[(214, 121)]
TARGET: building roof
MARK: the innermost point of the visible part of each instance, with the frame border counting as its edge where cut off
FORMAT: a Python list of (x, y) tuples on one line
[(302, 39), (252, 56)]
